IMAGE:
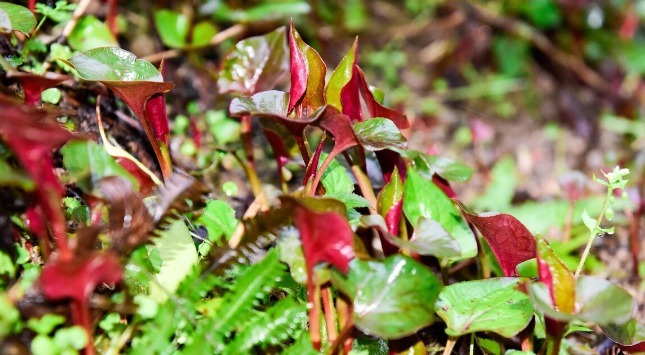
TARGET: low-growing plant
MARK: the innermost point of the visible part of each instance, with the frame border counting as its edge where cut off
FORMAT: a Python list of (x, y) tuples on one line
[(351, 241)]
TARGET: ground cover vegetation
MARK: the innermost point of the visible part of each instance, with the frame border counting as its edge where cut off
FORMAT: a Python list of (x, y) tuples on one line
[(193, 177)]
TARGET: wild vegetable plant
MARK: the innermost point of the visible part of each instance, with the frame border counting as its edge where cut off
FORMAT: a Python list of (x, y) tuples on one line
[(361, 245)]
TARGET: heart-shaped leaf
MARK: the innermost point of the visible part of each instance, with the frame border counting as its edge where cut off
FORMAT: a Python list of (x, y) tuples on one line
[(422, 198), (597, 300), (378, 134), (509, 239), (326, 235), (255, 64), (16, 18), (494, 305), (630, 336), (135, 81), (307, 74), (392, 298)]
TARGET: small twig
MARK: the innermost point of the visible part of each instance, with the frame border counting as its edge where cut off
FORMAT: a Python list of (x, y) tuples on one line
[(450, 344), (233, 31), (78, 12)]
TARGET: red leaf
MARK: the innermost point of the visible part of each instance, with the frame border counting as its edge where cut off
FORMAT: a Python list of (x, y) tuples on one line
[(146, 184), (349, 96), (374, 107), (509, 239), (33, 85), (298, 70), (156, 115), (76, 279), (326, 235), (557, 277), (32, 136)]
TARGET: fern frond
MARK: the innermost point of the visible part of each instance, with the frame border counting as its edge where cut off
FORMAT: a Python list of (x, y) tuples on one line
[(284, 320), (238, 305), (173, 198)]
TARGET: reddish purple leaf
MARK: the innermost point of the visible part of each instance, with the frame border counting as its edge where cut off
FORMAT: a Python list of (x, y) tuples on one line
[(509, 239), (444, 185), (298, 71), (146, 184), (77, 279), (388, 160), (375, 108), (33, 85), (349, 96), (156, 115), (326, 235), (32, 136)]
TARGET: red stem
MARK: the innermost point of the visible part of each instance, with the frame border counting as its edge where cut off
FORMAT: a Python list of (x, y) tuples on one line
[(314, 315), (247, 139), (330, 320)]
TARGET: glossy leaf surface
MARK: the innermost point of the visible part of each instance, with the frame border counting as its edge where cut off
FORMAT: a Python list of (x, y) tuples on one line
[(509, 239), (255, 64), (631, 335), (422, 198), (340, 78), (494, 305), (16, 18), (378, 134), (392, 298), (558, 278), (90, 33), (307, 74)]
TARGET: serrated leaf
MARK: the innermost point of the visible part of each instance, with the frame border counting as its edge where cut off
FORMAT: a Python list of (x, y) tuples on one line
[(89, 163), (378, 134), (494, 305), (392, 298), (422, 198), (179, 255), (219, 220), (16, 18), (336, 179)]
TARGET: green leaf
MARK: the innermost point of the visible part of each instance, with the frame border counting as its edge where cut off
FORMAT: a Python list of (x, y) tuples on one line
[(500, 191), (219, 220), (555, 274), (172, 27), (290, 248), (392, 298), (589, 222), (494, 305), (147, 308), (428, 165), (597, 300), (630, 333), (378, 134), (10, 176), (340, 77), (179, 255), (335, 178), (90, 33), (281, 322), (46, 324), (113, 64), (89, 163), (71, 338), (16, 18), (422, 198), (203, 32), (430, 238), (9, 315)]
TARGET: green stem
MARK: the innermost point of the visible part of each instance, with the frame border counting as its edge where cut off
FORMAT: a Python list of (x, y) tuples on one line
[(593, 234)]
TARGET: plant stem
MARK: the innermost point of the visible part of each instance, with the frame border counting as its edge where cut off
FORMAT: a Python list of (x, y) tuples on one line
[(593, 234), (365, 186), (330, 319), (450, 344)]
